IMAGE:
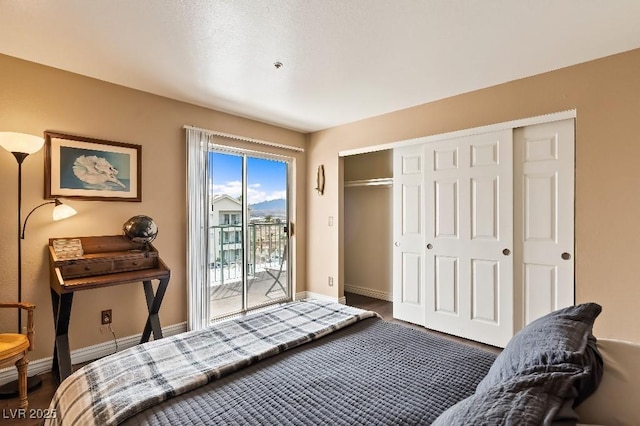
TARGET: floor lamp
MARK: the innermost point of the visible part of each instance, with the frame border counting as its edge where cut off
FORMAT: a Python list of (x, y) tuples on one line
[(21, 145)]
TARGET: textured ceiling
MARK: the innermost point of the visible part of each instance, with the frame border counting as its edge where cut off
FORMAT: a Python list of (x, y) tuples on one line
[(343, 60)]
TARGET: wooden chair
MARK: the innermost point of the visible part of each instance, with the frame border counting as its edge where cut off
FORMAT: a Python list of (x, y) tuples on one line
[(14, 348)]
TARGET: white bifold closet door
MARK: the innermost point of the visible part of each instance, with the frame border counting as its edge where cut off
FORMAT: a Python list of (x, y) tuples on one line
[(469, 236), (544, 218), (408, 232), (453, 236), (483, 230)]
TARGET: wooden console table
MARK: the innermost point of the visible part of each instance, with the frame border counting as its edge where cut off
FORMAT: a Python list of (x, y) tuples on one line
[(107, 261)]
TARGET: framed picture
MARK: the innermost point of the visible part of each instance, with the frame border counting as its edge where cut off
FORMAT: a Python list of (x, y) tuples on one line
[(91, 169)]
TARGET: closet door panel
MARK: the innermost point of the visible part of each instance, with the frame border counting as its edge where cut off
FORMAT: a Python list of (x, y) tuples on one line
[(410, 292), (485, 291), (540, 210), (544, 184), (540, 290), (446, 284), (469, 218), (408, 234), (446, 208), (484, 208), (411, 209)]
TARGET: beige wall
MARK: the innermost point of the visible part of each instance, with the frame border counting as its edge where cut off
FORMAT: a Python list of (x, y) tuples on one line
[(370, 165), (35, 98), (368, 240), (606, 96)]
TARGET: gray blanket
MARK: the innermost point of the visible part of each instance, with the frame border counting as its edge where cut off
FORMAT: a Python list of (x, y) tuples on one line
[(370, 373), (114, 388)]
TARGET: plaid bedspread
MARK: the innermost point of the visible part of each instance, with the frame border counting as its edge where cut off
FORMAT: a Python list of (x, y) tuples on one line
[(113, 388)]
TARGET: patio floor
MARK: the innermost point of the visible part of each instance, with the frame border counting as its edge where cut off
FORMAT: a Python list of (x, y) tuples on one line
[(226, 299)]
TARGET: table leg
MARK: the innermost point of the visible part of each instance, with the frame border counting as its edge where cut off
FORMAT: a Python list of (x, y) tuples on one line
[(61, 304), (153, 306)]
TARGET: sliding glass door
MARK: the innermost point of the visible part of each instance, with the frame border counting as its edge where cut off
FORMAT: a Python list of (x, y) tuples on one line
[(248, 235)]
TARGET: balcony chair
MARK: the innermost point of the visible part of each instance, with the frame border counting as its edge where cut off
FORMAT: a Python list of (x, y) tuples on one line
[(14, 348), (277, 273)]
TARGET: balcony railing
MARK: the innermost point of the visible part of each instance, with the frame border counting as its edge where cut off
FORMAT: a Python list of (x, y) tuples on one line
[(266, 244)]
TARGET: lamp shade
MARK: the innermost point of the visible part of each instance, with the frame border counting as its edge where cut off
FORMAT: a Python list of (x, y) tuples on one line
[(20, 142), (63, 211)]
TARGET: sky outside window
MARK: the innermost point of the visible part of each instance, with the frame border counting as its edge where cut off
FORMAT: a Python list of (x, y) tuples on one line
[(266, 178)]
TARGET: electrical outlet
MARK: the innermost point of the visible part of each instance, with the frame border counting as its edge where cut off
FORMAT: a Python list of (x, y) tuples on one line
[(106, 317), (330, 281)]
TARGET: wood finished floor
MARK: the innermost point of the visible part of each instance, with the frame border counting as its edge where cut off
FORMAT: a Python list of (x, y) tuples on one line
[(40, 398), (385, 309)]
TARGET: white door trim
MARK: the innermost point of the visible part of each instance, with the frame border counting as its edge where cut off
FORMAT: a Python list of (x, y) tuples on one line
[(546, 118)]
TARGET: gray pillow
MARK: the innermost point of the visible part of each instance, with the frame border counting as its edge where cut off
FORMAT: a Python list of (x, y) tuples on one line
[(562, 337), (536, 396), (546, 368)]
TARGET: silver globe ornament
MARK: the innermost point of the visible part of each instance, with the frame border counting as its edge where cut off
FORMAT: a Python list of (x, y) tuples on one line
[(140, 229)]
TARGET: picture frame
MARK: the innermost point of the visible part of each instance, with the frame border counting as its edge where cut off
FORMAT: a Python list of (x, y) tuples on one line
[(91, 169)]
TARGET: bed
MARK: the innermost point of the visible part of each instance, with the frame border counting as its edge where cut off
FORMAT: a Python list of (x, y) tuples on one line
[(312, 362)]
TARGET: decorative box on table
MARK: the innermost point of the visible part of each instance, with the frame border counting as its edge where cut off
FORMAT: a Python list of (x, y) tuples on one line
[(89, 256)]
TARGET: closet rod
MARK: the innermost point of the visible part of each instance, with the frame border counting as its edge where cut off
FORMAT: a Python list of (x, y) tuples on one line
[(369, 182)]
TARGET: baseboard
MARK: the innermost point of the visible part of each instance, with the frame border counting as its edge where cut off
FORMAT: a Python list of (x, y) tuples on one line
[(363, 291), (300, 295), (312, 295), (88, 353)]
